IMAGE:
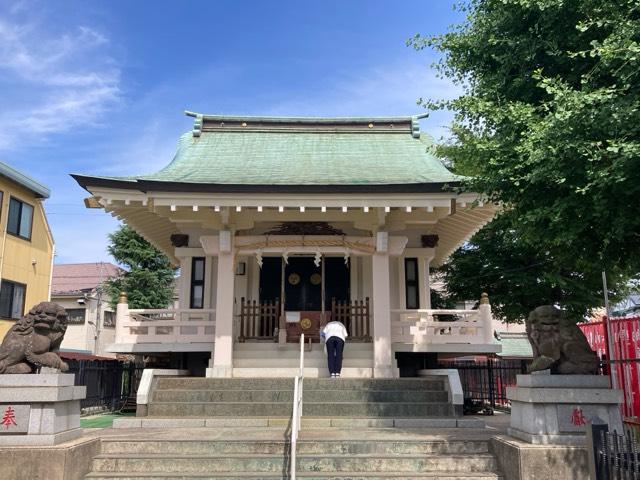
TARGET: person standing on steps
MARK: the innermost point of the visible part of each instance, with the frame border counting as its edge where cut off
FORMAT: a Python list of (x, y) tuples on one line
[(334, 334)]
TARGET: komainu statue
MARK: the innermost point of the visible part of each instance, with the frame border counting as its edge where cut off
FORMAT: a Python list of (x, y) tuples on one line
[(558, 344), (34, 339)]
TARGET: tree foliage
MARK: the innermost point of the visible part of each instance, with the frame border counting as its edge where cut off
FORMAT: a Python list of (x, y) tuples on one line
[(518, 275), (149, 276), (548, 126)]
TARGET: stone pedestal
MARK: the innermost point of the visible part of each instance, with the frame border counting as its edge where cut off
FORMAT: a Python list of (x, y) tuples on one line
[(555, 409), (39, 409)]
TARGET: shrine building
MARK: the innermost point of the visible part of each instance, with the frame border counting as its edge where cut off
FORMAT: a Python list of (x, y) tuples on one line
[(279, 225)]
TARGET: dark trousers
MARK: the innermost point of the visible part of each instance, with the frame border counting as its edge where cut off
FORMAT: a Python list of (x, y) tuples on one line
[(335, 345)]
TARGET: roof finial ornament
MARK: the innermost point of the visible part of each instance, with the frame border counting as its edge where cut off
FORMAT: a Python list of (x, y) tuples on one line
[(415, 127), (197, 126), (415, 124), (197, 123)]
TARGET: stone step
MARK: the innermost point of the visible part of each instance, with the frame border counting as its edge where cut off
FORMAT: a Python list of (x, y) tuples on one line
[(295, 347), (220, 409), (314, 409), (414, 396), (201, 383), (289, 372), (397, 384), (305, 475), (202, 396), (376, 409), (278, 424), (133, 463), (292, 354), (293, 362), (274, 447)]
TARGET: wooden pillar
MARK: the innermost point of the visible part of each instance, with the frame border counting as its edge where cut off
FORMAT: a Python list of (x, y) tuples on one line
[(282, 329), (382, 354), (222, 365)]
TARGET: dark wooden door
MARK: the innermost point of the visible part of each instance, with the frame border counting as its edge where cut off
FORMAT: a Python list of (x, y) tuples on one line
[(270, 279), (303, 293), (336, 281), (302, 285)]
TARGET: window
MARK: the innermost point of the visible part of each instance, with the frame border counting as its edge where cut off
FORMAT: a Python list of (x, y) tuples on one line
[(109, 320), (12, 299), (76, 315), (20, 219), (412, 288), (197, 282)]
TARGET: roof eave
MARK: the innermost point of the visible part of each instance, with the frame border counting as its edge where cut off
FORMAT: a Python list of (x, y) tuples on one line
[(158, 186), (25, 181)]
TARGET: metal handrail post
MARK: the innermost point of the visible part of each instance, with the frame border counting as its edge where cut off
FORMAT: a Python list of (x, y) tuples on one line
[(297, 411)]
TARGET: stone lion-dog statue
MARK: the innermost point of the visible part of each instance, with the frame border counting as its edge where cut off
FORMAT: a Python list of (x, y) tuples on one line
[(33, 340), (558, 343)]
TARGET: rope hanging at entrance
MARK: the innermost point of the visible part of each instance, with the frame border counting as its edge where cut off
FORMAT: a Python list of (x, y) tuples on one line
[(316, 242)]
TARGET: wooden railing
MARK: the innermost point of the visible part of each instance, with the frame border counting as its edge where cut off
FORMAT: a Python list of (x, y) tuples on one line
[(355, 316), (258, 321), (166, 326), (424, 327)]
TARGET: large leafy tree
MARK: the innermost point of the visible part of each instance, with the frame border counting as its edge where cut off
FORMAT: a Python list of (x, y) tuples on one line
[(149, 276), (549, 127), (518, 275)]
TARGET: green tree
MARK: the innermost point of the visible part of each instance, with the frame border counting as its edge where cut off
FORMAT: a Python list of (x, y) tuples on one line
[(548, 126), (518, 275), (148, 277)]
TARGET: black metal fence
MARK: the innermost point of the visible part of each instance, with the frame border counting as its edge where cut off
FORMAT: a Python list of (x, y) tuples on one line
[(612, 456), (485, 382), (111, 384)]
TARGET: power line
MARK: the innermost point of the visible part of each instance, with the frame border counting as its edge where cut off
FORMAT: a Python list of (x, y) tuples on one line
[(501, 272)]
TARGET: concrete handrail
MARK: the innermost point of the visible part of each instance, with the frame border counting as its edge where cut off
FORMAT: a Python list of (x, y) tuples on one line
[(146, 382), (420, 326), (168, 326)]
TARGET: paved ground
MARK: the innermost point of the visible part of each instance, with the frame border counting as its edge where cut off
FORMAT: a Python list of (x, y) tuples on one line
[(99, 426), (104, 420)]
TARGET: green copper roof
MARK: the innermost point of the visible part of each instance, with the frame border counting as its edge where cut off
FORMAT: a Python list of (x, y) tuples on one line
[(227, 150)]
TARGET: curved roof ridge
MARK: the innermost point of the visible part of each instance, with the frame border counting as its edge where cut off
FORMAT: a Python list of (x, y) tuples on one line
[(305, 119)]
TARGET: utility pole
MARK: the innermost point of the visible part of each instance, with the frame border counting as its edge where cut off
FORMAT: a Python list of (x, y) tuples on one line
[(98, 325), (607, 325)]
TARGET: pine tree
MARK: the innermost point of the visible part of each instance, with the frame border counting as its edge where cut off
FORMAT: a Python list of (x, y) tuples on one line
[(149, 276)]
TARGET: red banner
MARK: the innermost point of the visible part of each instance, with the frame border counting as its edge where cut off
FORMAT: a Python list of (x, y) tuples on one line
[(625, 333)]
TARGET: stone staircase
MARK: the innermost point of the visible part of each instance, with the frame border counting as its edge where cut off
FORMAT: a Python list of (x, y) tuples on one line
[(145, 458), (323, 397), (270, 359), (342, 437)]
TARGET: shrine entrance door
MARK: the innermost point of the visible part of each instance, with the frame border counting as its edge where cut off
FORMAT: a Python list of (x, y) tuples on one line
[(303, 299)]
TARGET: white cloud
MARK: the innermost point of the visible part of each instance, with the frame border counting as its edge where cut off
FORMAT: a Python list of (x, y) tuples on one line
[(53, 82)]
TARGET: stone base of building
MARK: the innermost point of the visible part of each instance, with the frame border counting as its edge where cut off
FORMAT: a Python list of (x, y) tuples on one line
[(219, 372), (39, 409), (555, 409), (519, 460)]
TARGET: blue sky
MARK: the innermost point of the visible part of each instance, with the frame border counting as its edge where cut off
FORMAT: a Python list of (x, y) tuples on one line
[(99, 87)]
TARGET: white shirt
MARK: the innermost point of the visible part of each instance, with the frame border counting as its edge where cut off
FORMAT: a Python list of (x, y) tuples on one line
[(334, 329)]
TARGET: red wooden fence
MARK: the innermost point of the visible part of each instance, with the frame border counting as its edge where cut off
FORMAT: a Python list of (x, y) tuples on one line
[(626, 347)]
